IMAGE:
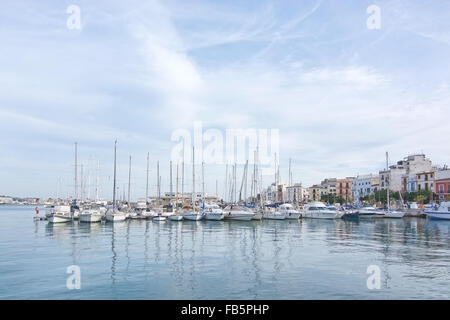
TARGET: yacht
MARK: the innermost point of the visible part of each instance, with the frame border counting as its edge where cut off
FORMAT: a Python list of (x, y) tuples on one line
[(115, 215), (440, 213), (236, 212), (91, 215), (159, 217), (318, 210), (190, 213), (273, 214), (289, 211), (60, 214), (370, 212), (212, 212)]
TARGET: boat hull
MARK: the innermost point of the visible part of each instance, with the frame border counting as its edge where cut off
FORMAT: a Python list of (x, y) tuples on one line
[(240, 217), (274, 216), (115, 217), (175, 218), (90, 218), (438, 215), (59, 219), (214, 216), (192, 216)]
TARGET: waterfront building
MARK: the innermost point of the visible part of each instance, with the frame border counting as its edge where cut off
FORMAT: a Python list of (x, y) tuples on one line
[(329, 186), (344, 188), (399, 174), (296, 193), (442, 184), (364, 185), (316, 192), (425, 180), (281, 193)]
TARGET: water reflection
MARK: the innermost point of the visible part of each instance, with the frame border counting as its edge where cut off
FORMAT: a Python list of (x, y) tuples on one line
[(257, 259)]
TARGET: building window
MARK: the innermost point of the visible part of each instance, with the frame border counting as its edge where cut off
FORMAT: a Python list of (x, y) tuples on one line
[(441, 188)]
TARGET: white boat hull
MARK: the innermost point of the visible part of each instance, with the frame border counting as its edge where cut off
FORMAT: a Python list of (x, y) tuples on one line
[(320, 215), (438, 215), (394, 214), (192, 216), (257, 216), (239, 216), (58, 218), (175, 218), (293, 215), (159, 218), (274, 216), (90, 218), (115, 217), (213, 216)]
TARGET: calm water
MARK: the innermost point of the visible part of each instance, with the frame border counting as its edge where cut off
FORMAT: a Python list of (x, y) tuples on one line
[(308, 259)]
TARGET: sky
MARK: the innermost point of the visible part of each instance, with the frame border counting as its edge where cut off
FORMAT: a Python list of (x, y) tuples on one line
[(339, 93)]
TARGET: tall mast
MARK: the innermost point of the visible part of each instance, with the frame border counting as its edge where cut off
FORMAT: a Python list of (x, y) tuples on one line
[(114, 184), (76, 173), (176, 189), (81, 183), (89, 179), (245, 185), (235, 182), (389, 181), (193, 178), (146, 185), (129, 182), (97, 180), (158, 190), (203, 182), (226, 182), (182, 176), (171, 187), (217, 188)]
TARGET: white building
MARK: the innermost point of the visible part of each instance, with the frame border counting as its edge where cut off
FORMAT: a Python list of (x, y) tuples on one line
[(364, 185), (296, 193)]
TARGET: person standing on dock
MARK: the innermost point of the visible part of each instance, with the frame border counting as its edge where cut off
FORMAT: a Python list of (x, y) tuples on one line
[(37, 210)]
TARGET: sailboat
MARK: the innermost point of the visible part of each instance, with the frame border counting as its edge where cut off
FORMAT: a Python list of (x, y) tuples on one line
[(389, 213), (113, 214), (210, 211), (158, 215), (176, 216), (274, 213), (191, 213)]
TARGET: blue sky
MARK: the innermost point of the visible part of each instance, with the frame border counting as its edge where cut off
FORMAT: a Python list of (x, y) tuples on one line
[(340, 94)]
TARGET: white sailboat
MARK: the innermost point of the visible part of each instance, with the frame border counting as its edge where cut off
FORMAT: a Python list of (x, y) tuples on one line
[(113, 214), (91, 215), (236, 212), (176, 216), (192, 213)]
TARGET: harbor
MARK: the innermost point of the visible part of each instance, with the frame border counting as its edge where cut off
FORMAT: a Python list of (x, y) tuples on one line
[(268, 259)]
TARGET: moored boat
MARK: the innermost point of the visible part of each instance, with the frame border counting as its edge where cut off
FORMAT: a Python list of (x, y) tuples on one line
[(441, 212)]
